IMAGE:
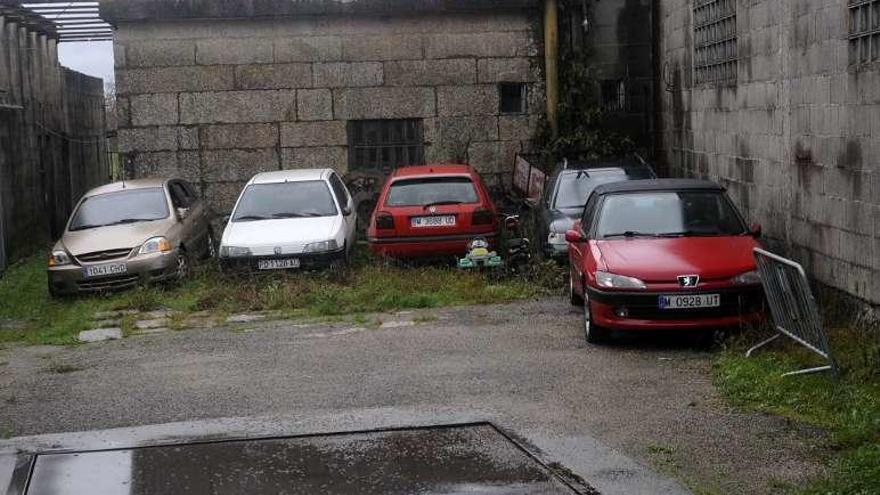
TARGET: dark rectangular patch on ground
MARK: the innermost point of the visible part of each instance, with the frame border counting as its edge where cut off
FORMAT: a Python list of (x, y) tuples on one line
[(461, 459)]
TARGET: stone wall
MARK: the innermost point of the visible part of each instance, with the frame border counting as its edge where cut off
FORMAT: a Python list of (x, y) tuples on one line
[(52, 146), (216, 101), (796, 138)]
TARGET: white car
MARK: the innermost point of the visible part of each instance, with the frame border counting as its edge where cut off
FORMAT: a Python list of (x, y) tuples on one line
[(290, 219)]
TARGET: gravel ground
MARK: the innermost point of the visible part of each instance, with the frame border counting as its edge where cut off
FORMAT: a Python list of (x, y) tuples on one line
[(524, 366)]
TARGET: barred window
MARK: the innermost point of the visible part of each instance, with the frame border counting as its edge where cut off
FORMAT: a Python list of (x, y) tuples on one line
[(714, 41), (613, 94), (864, 31), (384, 145)]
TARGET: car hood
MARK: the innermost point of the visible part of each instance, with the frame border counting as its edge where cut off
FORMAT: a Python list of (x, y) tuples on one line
[(663, 260), (285, 231), (563, 219), (112, 237)]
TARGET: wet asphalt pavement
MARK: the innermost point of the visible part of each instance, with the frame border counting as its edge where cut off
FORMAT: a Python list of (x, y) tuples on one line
[(610, 416)]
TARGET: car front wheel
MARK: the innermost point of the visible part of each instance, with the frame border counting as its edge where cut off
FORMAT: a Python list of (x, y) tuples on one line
[(573, 297), (594, 334), (182, 271)]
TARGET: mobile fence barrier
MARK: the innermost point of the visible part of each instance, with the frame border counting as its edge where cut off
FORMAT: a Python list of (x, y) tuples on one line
[(793, 307)]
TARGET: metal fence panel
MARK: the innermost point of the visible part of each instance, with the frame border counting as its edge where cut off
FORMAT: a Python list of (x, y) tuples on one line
[(793, 307)]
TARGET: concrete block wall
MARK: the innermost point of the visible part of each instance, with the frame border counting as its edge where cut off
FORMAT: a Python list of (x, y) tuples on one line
[(216, 101), (796, 139)]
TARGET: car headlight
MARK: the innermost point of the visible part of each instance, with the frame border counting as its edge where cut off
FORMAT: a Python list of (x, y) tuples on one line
[(155, 245), (748, 278), (59, 258), (234, 251), (320, 247), (614, 281), (556, 238)]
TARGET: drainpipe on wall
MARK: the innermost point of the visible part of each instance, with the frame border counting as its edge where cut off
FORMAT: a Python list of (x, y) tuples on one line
[(551, 59)]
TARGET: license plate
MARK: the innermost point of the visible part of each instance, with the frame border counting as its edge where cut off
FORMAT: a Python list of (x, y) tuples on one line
[(105, 270), (278, 264), (434, 221), (690, 301)]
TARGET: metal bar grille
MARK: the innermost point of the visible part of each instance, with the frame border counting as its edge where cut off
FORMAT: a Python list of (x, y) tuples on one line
[(794, 310), (864, 31), (715, 50), (384, 145), (73, 20)]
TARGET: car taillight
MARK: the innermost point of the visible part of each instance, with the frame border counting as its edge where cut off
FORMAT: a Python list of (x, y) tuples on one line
[(384, 221), (482, 217)]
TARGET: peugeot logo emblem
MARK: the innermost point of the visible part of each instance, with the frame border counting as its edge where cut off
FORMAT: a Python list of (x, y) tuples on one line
[(688, 280), (277, 249)]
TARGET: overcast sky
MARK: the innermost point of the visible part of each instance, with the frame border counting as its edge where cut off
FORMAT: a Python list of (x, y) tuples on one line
[(93, 58)]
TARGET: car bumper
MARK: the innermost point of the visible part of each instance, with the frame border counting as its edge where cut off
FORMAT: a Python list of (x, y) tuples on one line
[(558, 252), (151, 268), (423, 247), (307, 261), (641, 311)]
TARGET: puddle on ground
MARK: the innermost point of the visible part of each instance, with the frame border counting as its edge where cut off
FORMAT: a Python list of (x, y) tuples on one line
[(465, 459)]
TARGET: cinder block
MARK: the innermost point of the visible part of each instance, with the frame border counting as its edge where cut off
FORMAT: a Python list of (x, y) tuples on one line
[(119, 55), (450, 137), (383, 103), (481, 45), (347, 75), (308, 49), (300, 134), (238, 164), (382, 47), (123, 112), (226, 136), (148, 139), (154, 109), (173, 79), (508, 70), (159, 53), (467, 100), (314, 104), (188, 138), (183, 164), (335, 157), (234, 51), (238, 106), (273, 76), (221, 196), (430, 72)]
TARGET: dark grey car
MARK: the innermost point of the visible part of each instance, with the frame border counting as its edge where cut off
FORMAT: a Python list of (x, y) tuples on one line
[(567, 190)]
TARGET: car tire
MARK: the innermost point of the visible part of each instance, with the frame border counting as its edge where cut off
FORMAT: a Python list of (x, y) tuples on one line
[(573, 297), (183, 265), (211, 248), (593, 334)]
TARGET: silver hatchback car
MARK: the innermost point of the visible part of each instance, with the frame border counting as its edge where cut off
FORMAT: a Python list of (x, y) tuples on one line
[(122, 234)]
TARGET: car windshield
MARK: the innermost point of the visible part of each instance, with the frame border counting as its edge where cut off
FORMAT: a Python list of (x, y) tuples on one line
[(116, 208), (672, 214), (575, 188), (432, 191), (285, 200)]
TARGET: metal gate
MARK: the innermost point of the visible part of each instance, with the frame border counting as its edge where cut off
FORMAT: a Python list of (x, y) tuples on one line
[(793, 307)]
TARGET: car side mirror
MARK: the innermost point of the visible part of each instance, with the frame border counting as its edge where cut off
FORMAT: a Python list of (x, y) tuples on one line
[(346, 211), (573, 236), (182, 213), (755, 230), (226, 217)]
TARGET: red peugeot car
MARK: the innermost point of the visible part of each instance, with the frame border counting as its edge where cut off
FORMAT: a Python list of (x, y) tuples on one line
[(663, 254), (432, 210)]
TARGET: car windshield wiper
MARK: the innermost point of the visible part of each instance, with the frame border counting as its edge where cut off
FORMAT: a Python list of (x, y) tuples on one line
[(441, 203), (129, 220), (289, 215), (248, 218), (630, 233), (691, 233)]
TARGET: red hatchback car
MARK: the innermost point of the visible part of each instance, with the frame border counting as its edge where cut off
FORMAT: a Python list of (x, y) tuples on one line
[(663, 254), (432, 210)]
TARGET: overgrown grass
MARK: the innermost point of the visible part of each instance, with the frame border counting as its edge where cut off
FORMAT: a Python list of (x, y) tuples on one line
[(848, 408), (370, 285)]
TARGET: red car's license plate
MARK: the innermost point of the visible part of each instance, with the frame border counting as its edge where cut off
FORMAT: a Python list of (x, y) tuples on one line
[(690, 301), (434, 221)]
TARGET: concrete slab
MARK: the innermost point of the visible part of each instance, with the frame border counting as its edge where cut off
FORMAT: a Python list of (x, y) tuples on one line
[(100, 335), (148, 324), (470, 458)]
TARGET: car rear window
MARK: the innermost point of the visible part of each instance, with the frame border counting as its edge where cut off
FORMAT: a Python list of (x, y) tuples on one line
[(575, 188), (432, 191), (285, 200), (116, 208), (685, 213)]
